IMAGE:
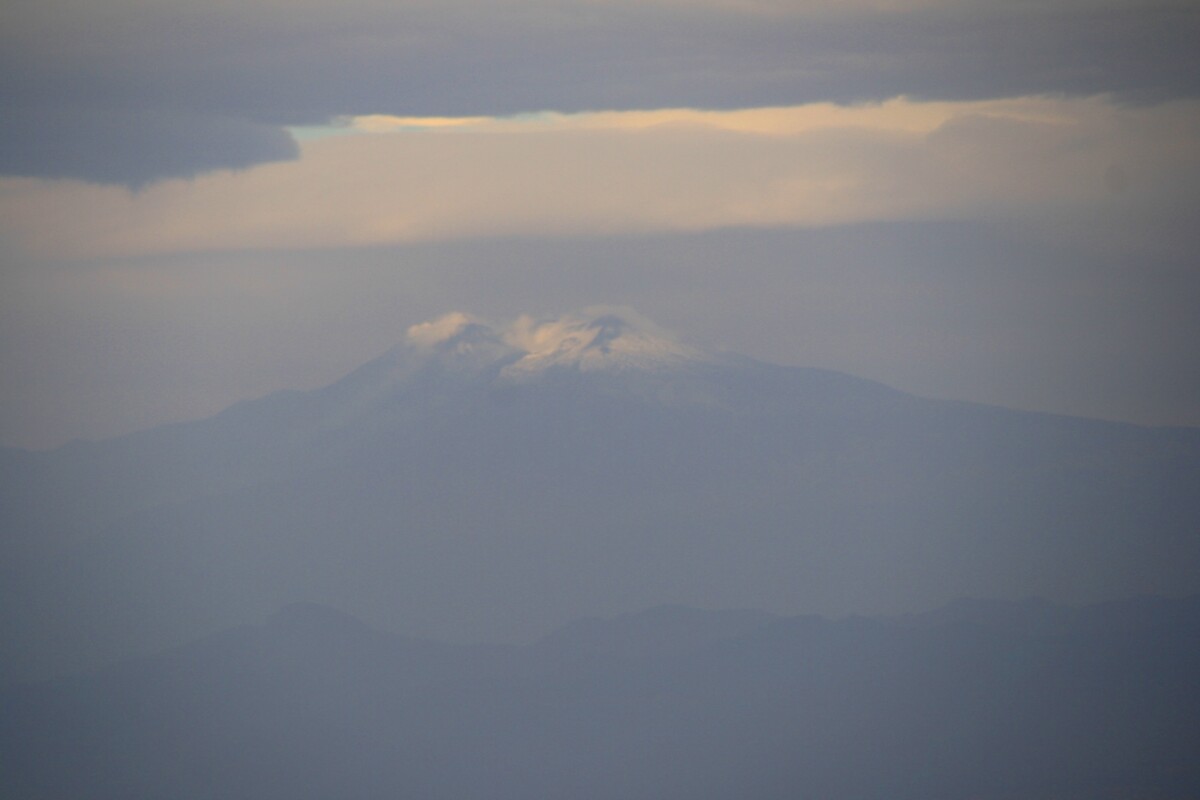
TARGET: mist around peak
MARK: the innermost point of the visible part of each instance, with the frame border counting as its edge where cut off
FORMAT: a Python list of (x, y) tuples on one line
[(596, 338)]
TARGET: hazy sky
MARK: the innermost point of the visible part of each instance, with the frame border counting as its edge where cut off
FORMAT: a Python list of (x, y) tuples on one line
[(201, 202)]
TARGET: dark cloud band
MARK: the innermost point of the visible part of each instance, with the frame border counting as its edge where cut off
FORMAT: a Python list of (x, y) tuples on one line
[(134, 148), (182, 90)]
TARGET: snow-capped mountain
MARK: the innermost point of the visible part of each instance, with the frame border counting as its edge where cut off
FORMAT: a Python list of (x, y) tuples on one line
[(611, 348), (490, 482)]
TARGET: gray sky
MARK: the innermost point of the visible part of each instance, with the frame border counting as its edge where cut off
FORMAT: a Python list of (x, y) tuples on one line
[(203, 202)]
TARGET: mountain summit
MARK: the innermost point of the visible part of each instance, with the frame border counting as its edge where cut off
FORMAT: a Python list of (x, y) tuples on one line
[(594, 340)]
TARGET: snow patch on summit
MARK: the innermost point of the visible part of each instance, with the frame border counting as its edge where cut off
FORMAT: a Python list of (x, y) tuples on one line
[(596, 339)]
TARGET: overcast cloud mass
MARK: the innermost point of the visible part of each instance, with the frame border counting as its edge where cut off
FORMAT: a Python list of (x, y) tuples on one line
[(203, 202), (132, 90)]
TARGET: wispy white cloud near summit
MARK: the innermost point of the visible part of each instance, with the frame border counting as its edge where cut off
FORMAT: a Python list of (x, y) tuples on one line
[(437, 331), (596, 338)]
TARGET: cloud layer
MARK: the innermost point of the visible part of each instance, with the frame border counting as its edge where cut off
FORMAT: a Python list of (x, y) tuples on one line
[(632, 172), (87, 86)]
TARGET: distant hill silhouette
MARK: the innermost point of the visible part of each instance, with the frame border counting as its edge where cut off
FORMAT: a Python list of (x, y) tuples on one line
[(1030, 701)]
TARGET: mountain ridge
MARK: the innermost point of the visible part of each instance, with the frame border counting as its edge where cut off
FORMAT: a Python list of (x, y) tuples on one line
[(872, 708)]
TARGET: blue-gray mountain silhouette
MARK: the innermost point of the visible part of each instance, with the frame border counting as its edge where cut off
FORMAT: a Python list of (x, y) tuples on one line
[(986, 700), (484, 484)]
